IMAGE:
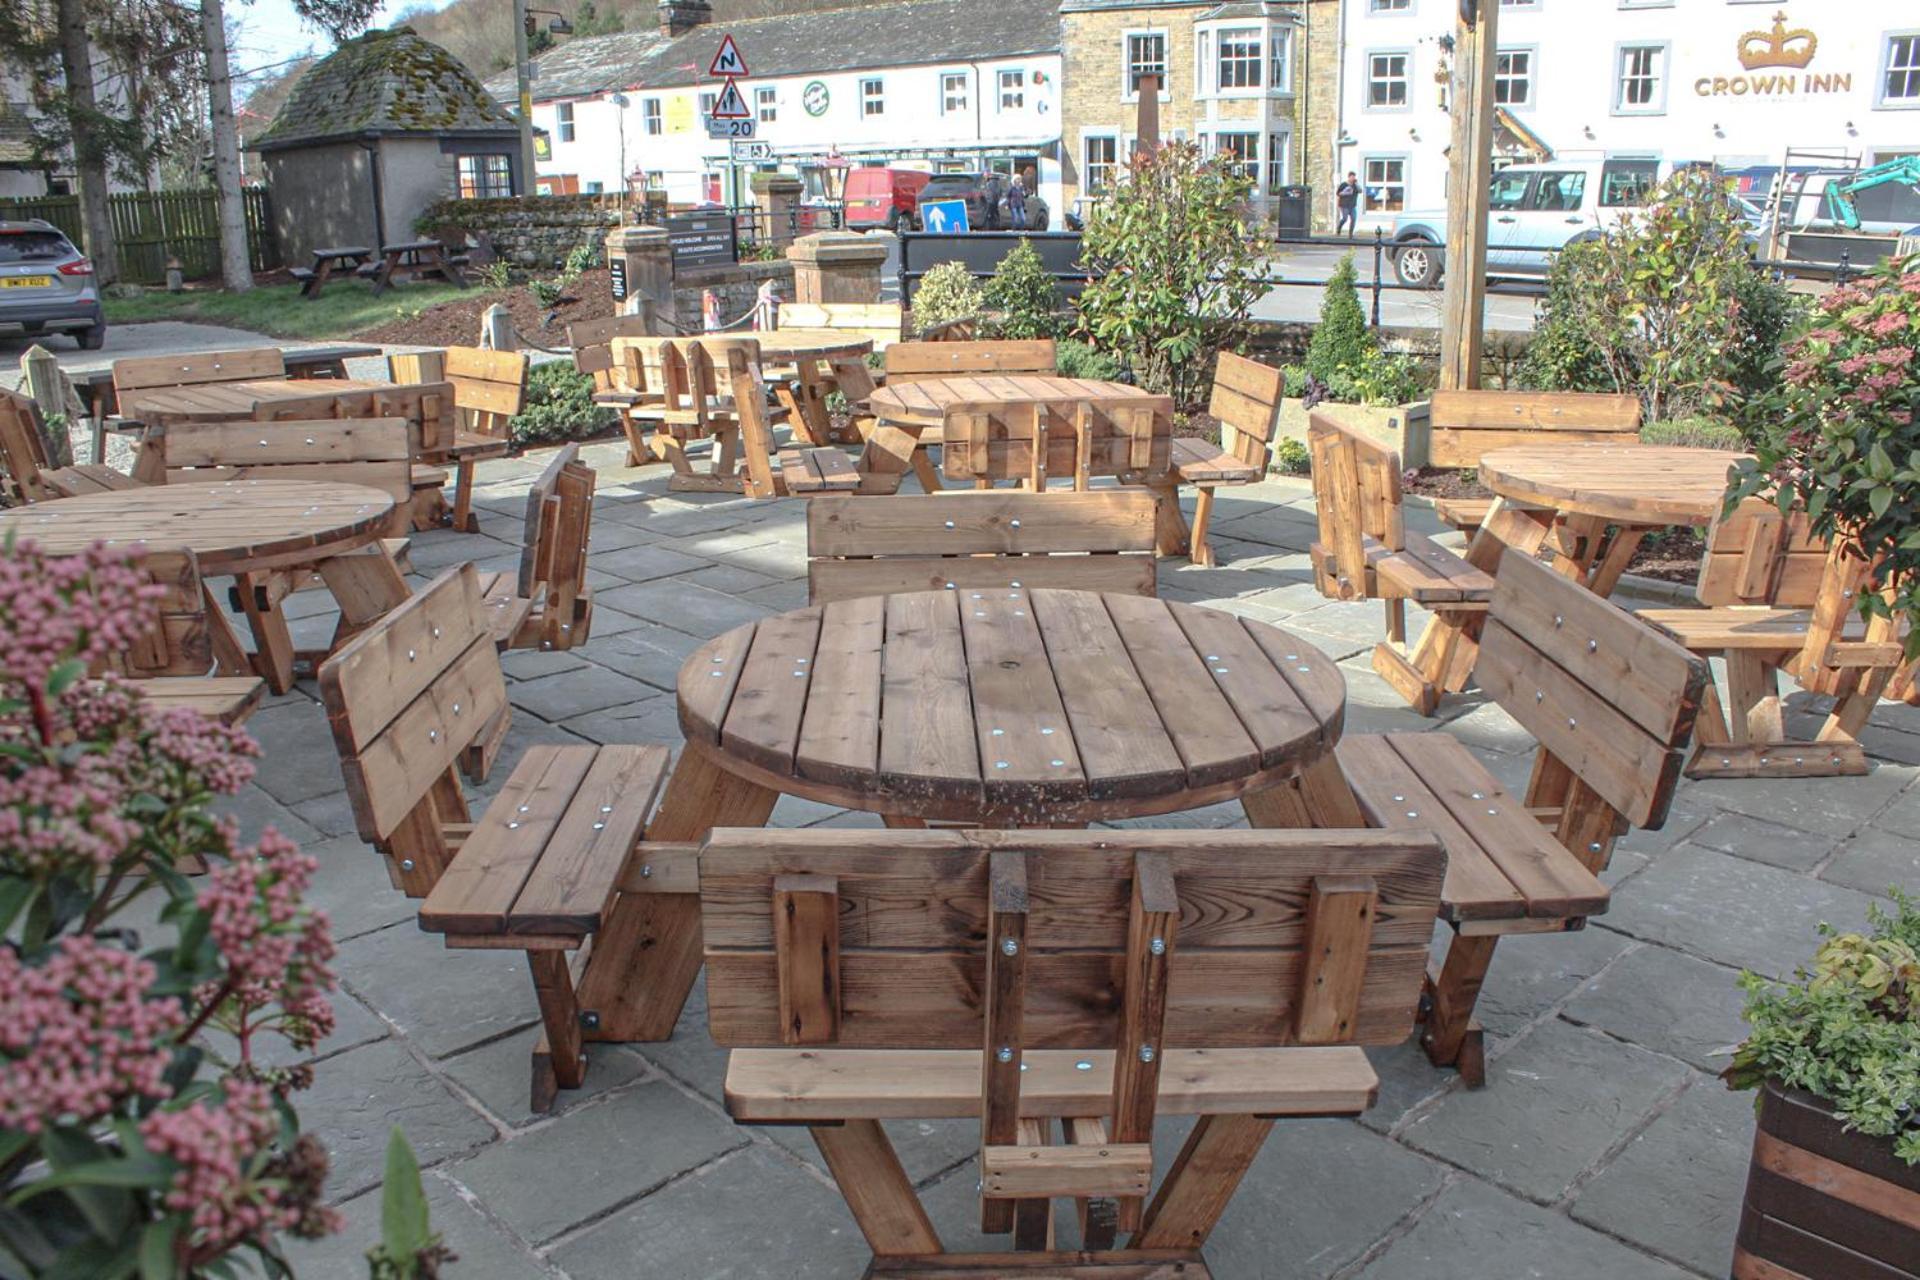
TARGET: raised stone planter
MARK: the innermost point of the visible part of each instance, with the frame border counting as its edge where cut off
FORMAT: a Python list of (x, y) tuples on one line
[(1403, 427)]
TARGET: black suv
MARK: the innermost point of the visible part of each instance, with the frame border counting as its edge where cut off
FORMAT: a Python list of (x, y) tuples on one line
[(986, 197)]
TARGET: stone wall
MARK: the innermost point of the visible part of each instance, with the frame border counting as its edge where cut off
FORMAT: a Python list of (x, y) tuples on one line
[(529, 231), (737, 285), (1317, 110), (1091, 78)]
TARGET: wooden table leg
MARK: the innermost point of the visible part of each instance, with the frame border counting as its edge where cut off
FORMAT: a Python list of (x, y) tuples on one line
[(647, 954), (1171, 535), (368, 585), (273, 642), (1318, 798), (1620, 548)]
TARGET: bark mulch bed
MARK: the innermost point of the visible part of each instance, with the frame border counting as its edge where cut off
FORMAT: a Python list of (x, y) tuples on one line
[(457, 323)]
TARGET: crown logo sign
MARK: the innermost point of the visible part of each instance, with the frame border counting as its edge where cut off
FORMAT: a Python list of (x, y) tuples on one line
[(1779, 47)]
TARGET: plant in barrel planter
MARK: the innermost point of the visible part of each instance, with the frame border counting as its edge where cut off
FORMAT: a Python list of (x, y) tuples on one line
[(1834, 1185), (1349, 378)]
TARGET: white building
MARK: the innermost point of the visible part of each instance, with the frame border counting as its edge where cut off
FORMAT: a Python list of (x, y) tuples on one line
[(941, 85), (1734, 82)]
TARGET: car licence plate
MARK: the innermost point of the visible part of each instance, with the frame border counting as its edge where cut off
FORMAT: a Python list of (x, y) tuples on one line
[(25, 282)]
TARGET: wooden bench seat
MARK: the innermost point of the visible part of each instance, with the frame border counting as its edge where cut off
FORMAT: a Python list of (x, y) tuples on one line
[(1464, 514), (792, 1085), (228, 699), (807, 471), (1202, 462), (1427, 573), (1246, 401), (174, 664), (547, 603)]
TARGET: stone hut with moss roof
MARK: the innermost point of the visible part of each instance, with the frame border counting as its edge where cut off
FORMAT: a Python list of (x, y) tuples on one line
[(375, 132)]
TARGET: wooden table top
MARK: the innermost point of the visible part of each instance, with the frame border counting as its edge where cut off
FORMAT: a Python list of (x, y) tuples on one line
[(244, 401), (778, 346), (1629, 483), (231, 526), (1010, 706), (925, 403)]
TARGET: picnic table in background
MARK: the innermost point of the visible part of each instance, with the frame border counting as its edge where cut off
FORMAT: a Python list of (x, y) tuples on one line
[(327, 263), (416, 258), (246, 528)]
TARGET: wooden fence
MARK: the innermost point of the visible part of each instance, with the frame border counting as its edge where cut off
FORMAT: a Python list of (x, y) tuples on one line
[(150, 226)]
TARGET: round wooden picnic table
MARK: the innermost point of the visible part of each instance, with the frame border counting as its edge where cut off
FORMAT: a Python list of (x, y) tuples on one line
[(777, 346), (925, 403), (1004, 707), (282, 398), (1604, 498)]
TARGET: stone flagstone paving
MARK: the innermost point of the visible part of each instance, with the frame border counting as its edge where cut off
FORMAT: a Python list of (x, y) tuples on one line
[(1604, 1145)]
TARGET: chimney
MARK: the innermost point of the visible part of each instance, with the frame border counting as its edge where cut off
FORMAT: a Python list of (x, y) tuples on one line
[(677, 17)]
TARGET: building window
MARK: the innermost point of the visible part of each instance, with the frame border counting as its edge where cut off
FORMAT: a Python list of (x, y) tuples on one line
[(1146, 56), (1280, 68), (486, 177), (1103, 162), (1519, 4), (563, 114), (1513, 77), (1242, 150), (1900, 86), (596, 188), (1387, 81), (953, 93), (873, 97), (650, 115), (1385, 181), (1389, 6), (768, 105), (1641, 86), (707, 103), (1013, 90), (1279, 161), (1239, 59), (654, 179)]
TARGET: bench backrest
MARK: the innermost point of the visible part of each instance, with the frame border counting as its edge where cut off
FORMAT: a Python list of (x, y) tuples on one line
[(1465, 424), (881, 321), (1756, 555), (1610, 700), (141, 373), (866, 546), (1356, 493), (553, 556), (1246, 399), (1130, 437), (405, 700), (915, 361), (741, 361), (592, 343), (374, 452), (489, 387), (23, 450)]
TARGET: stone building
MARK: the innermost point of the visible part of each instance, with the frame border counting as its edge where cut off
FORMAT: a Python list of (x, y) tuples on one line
[(1242, 78), (374, 133)]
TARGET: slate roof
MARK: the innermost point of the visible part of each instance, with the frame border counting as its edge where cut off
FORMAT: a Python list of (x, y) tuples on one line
[(893, 35), (385, 83), (16, 135)]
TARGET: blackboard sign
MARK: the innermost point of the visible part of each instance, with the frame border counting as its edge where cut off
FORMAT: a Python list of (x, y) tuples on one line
[(701, 239), (617, 270)]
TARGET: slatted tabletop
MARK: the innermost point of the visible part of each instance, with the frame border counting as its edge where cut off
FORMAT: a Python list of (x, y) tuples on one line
[(243, 401), (1636, 484), (780, 346), (925, 403), (1011, 706), (232, 527)]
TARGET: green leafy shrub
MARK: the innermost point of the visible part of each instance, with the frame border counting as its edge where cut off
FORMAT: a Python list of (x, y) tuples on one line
[(1694, 433), (946, 293), (1290, 457), (1380, 378), (1078, 360), (548, 293), (1175, 265), (1849, 1030), (1843, 439), (1563, 355), (497, 274), (1341, 340), (1024, 294), (560, 407)]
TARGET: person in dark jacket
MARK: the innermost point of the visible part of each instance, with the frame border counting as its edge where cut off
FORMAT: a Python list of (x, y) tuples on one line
[(1347, 195)]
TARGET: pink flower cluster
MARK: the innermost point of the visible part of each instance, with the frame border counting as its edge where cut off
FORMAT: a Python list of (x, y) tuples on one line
[(275, 951), (79, 1035), (219, 1148), (56, 607), (53, 817)]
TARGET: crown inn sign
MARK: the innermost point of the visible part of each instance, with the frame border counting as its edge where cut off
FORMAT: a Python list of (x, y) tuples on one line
[(1780, 47)]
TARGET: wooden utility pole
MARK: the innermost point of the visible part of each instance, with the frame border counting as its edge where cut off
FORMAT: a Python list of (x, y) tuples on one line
[(1146, 129), (1469, 177)]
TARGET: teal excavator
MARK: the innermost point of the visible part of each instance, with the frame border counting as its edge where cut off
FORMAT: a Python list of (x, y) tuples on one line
[(1840, 193)]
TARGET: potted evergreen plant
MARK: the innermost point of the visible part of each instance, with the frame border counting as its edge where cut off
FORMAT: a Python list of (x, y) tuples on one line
[(1834, 1184), (1348, 377)]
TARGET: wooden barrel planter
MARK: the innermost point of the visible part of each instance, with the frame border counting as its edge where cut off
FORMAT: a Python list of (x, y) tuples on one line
[(1823, 1203)]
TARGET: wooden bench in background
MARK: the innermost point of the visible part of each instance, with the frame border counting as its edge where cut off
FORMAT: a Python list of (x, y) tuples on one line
[(1246, 400), (1465, 424), (144, 373), (548, 604), (1780, 600), (173, 665), (839, 996), (1611, 702), (880, 321), (27, 473), (915, 361), (420, 693), (1125, 437), (489, 389), (1364, 552), (613, 382), (373, 452), (863, 546), (766, 470)]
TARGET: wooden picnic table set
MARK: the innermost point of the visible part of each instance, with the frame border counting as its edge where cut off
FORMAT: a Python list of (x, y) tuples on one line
[(411, 259)]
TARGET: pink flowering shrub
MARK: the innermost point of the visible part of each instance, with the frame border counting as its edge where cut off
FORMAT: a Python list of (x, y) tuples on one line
[(127, 1145), (1846, 444)]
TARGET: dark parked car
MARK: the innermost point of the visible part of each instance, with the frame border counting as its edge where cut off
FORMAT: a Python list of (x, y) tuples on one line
[(46, 283), (986, 197)]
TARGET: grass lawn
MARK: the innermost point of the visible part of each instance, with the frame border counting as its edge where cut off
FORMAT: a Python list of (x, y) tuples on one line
[(344, 308)]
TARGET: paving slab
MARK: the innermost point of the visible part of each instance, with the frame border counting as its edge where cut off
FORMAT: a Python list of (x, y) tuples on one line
[(486, 1251), (499, 1076), (643, 563), (1555, 1103), (1676, 1188), (1875, 860), (649, 719), (254, 810), (587, 687), (1826, 806), (442, 1000), (1533, 972), (352, 887), (1762, 841), (594, 1159), (927, 1148), (1666, 1001), (360, 1096), (1724, 908), (696, 610), (646, 652)]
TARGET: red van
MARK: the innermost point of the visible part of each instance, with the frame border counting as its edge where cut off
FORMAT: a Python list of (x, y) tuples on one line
[(883, 198)]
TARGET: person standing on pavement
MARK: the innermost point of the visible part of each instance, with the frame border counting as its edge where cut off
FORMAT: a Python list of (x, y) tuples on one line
[(1347, 194), (1017, 204)]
